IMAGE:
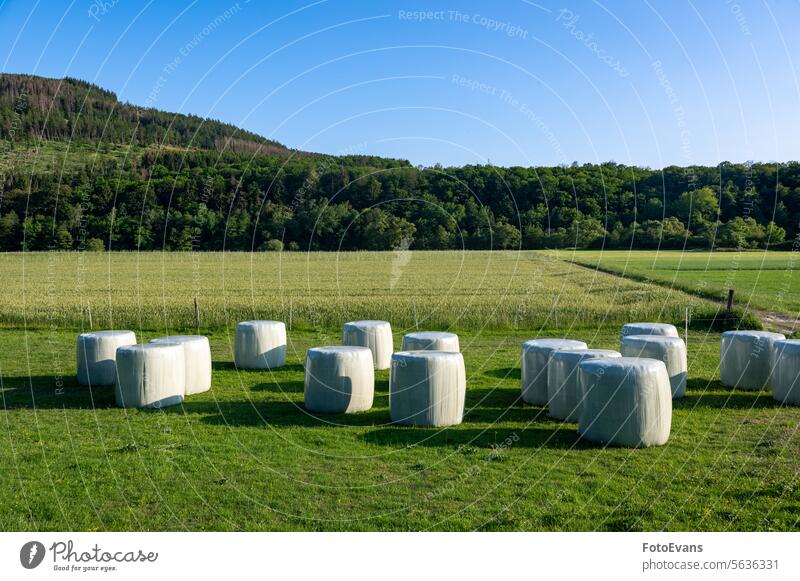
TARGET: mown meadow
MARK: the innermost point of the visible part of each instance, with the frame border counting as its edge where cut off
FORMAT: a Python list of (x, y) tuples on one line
[(247, 456), (761, 279)]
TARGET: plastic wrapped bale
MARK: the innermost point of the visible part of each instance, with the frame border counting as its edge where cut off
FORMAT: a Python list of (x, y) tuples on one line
[(197, 356), (427, 388), (431, 341), (377, 335), (627, 402), (564, 393), (661, 329), (746, 358), (339, 379), (670, 350), (785, 379), (535, 356), (96, 355), (152, 375), (260, 345)]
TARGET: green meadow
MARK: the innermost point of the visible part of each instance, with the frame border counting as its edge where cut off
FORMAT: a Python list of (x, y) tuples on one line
[(247, 456)]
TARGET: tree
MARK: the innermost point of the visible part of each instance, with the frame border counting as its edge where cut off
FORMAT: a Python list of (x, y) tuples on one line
[(505, 236), (774, 235), (95, 245), (273, 245), (698, 206)]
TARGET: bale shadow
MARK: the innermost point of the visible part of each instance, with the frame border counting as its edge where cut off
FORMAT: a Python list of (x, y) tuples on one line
[(231, 366), (561, 438), (504, 373), (733, 399), (277, 413), (43, 392), (280, 387)]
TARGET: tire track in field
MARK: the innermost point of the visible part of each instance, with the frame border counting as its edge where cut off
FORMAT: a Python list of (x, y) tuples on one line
[(781, 322)]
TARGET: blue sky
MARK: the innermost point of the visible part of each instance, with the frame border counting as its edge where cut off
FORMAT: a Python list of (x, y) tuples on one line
[(514, 82)]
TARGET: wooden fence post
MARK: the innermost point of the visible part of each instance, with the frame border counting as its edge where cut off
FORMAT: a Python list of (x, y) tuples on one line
[(196, 316), (729, 309)]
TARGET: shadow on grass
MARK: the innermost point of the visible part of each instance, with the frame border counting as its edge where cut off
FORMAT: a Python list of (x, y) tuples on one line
[(561, 437), (43, 392), (737, 400), (230, 366), (504, 373), (277, 413)]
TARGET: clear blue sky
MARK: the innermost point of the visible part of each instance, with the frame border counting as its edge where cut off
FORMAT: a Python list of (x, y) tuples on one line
[(516, 82)]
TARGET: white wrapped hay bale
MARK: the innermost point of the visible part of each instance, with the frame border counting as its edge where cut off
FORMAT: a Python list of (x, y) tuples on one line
[(431, 341), (535, 356), (197, 356), (152, 375), (746, 358), (785, 379), (339, 379), (564, 393), (377, 335), (663, 329), (260, 345), (670, 350), (627, 402), (427, 388), (96, 355)]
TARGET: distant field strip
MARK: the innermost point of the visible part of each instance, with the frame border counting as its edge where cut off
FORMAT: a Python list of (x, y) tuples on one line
[(427, 289), (766, 280)]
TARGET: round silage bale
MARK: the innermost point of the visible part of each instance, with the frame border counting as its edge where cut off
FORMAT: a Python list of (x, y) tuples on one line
[(377, 335), (670, 350), (197, 356), (152, 375), (564, 392), (96, 355), (431, 341), (260, 345), (427, 388), (663, 329), (785, 379), (746, 358), (339, 379), (535, 356), (627, 402)]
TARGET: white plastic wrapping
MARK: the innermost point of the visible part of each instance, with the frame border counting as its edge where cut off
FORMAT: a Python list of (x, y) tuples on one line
[(535, 355), (96, 354), (670, 350), (785, 379), (663, 329), (152, 375), (377, 335), (431, 341), (197, 356), (427, 388), (746, 358), (339, 379), (260, 345), (564, 394), (626, 402)]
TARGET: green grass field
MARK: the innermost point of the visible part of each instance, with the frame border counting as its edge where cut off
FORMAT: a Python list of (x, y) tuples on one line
[(762, 280), (246, 456)]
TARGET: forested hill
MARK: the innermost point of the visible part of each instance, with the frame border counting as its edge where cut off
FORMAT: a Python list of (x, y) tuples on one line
[(33, 107), (79, 170)]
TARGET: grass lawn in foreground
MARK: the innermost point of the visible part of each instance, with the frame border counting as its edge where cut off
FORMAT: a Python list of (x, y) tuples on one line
[(246, 456)]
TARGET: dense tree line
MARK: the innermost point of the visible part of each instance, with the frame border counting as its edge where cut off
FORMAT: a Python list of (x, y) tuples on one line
[(205, 200), (210, 191)]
